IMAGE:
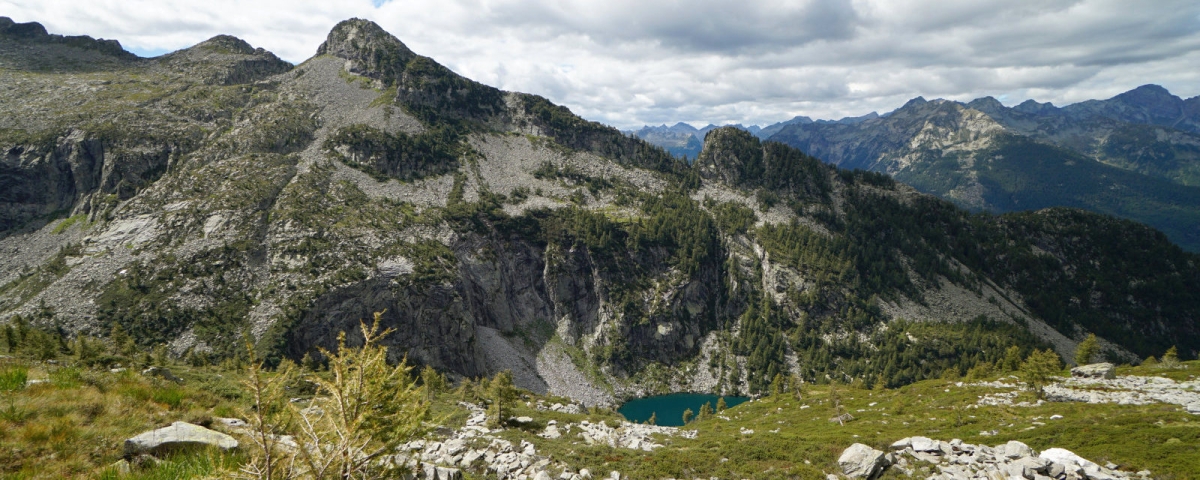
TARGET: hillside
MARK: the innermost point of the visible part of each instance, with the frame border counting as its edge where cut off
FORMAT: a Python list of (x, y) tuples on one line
[(985, 156), (217, 194)]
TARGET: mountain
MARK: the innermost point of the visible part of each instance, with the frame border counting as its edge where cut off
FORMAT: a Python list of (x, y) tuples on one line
[(985, 156), (683, 140), (680, 140), (217, 195)]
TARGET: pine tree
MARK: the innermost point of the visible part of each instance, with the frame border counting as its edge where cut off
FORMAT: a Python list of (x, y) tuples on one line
[(1086, 350), (501, 393), (121, 343), (1171, 358), (721, 406), (365, 410), (434, 381), (706, 411), (687, 416), (1038, 369), (653, 420), (1012, 359)]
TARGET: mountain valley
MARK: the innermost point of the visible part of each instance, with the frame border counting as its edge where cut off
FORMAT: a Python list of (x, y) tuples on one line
[(217, 196)]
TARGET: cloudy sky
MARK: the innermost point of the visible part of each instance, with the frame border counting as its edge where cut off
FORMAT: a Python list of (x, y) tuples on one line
[(629, 63)]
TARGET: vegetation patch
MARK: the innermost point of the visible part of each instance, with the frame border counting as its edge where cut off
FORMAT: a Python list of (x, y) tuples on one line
[(398, 155)]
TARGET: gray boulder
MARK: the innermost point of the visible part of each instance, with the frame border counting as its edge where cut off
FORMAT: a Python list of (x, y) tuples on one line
[(1095, 370), (179, 435), (434, 472), (161, 373), (861, 461)]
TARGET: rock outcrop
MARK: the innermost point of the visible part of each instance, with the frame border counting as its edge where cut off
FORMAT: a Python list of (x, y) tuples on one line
[(1095, 370), (955, 460)]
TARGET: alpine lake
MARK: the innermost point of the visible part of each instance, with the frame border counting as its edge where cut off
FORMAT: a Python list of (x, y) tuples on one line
[(668, 409)]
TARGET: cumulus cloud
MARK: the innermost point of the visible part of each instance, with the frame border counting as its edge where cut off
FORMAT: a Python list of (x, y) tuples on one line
[(629, 63)]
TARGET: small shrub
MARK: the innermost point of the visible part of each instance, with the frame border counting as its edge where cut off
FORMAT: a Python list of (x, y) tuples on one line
[(67, 377), (171, 397), (13, 378)]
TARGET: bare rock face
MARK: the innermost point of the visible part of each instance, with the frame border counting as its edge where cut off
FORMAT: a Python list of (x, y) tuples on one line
[(861, 461), (370, 50), (1095, 370), (179, 435)]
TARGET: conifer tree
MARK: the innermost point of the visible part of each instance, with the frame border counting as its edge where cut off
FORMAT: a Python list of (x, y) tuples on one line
[(501, 393), (1171, 358), (1038, 369), (1012, 359), (1087, 349)]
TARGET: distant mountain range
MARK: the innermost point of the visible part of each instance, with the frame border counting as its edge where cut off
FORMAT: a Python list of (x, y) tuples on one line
[(1136, 155), (684, 140)]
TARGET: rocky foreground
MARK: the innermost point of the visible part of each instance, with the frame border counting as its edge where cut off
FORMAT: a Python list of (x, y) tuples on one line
[(478, 450), (954, 460)]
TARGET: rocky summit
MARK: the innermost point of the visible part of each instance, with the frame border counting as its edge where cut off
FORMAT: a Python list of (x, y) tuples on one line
[(216, 209)]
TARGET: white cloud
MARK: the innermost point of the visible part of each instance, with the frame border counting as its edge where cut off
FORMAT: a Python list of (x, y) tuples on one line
[(627, 62)]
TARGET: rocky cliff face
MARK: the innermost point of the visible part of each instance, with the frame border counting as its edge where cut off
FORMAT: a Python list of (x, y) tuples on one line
[(216, 194)]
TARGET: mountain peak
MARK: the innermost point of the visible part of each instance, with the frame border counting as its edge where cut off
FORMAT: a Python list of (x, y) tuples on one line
[(373, 52), (1150, 95), (1033, 107), (35, 32), (226, 44)]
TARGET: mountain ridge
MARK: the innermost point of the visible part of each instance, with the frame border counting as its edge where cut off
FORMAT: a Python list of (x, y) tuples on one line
[(982, 155)]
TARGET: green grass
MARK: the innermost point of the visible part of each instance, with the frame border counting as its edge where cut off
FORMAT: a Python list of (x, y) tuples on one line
[(13, 378), (196, 464), (68, 223)]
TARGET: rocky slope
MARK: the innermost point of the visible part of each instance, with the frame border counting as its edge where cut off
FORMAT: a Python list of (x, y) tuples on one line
[(218, 194)]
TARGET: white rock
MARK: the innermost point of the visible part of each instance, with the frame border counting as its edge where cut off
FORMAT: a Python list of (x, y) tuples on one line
[(1015, 449), (924, 444), (1095, 370), (178, 435), (1066, 458), (861, 461), (902, 443)]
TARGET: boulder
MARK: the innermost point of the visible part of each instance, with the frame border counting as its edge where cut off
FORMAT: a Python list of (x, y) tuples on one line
[(1014, 449), (861, 461), (924, 444), (179, 435), (1193, 408), (161, 373), (433, 472), (1066, 458), (1095, 370)]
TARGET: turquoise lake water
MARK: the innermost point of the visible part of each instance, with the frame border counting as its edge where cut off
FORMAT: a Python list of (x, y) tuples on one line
[(668, 409)]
